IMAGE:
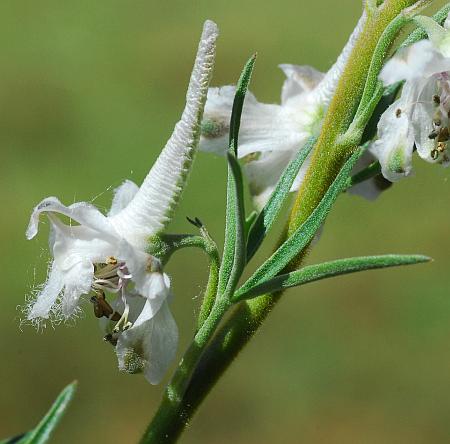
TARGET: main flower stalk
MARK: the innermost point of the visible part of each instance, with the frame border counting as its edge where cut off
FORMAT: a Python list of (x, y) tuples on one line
[(330, 153)]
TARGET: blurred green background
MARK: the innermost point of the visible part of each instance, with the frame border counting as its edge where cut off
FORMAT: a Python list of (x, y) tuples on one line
[(89, 93)]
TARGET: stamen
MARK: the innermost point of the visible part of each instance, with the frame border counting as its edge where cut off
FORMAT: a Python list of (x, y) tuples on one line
[(443, 135), (112, 338), (123, 320), (433, 134), (111, 276), (441, 147), (102, 309)]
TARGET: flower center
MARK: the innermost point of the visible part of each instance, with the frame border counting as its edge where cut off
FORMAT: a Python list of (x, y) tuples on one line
[(111, 276), (440, 132)]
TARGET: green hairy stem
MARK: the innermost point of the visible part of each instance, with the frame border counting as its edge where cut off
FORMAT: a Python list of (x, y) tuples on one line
[(329, 154)]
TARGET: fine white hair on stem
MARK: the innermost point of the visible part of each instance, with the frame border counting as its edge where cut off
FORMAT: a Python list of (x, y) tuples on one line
[(327, 86), (151, 208)]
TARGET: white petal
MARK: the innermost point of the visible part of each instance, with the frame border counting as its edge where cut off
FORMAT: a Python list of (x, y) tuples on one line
[(395, 144), (83, 213), (77, 277), (152, 207), (146, 275), (216, 119), (123, 195), (419, 60), (48, 295), (80, 241), (149, 345), (325, 90), (264, 127), (422, 120), (299, 79)]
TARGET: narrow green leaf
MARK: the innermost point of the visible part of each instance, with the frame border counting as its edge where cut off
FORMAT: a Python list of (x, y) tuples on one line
[(326, 270), (250, 220), (19, 439), (238, 103), (270, 212), (304, 234), (42, 432), (239, 258), (420, 34), (235, 213)]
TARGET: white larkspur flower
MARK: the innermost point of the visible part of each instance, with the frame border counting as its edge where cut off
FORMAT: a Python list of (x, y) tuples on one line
[(420, 117), (270, 135), (108, 253)]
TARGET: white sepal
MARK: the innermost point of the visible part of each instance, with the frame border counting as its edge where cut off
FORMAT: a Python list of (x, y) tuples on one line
[(47, 297), (298, 80), (123, 195)]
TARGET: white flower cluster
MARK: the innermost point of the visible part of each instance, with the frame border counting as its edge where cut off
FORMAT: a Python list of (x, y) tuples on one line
[(420, 116), (271, 135)]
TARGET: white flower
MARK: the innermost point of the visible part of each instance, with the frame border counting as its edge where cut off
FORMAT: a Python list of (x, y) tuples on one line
[(420, 117), (270, 135), (108, 253)]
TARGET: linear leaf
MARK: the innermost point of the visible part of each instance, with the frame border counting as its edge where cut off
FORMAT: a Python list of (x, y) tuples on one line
[(42, 432), (419, 33), (234, 227), (238, 103), (239, 259), (19, 439), (304, 234), (270, 212), (250, 220), (326, 270)]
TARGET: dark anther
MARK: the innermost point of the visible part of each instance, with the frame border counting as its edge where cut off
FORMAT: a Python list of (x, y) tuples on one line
[(115, 316), (436, 99), (101, 306), (98, 312), (434, 154), (443, 135), (112, 339), (196, 222), (398, 112), (433, 134)]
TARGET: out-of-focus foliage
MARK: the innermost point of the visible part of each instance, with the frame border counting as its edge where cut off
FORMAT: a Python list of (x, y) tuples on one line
[(43, 431), (89, 92)]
